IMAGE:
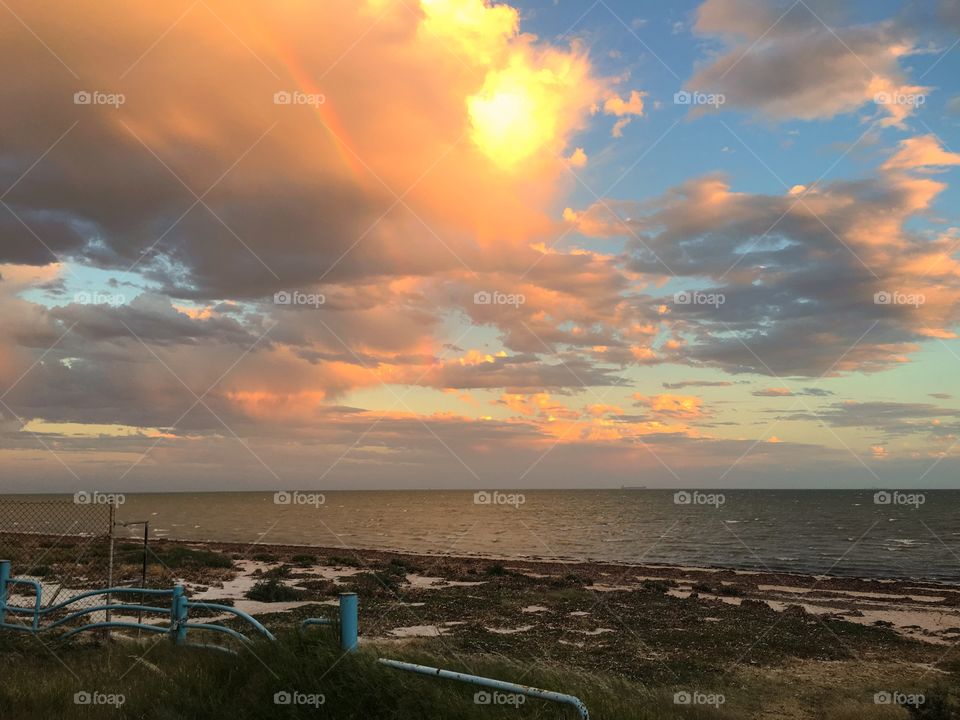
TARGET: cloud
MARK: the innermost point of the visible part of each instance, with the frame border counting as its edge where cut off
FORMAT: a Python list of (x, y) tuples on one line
[(396, 217), (624, 110), (804, 278), (892, 418), (788, 392), (633, 105), (295, 192), (682, 406), (696, 383), (921, 153), (578, 158), (799, 61)]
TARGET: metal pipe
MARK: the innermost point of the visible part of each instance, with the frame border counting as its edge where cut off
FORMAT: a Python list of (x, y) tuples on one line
[(178, 615), (239, 613), (106, 591), (348, 621), (313, 621), (114, 624), (219, 628), (4, 578), (490, 683), (99, 608), (36, 599)]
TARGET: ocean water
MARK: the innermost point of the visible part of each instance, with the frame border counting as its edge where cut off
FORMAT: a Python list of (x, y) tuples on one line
[(848, 533)]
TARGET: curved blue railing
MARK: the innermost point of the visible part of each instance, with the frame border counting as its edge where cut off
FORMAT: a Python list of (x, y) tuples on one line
[(179, 624), (177, 611), (507, 687)]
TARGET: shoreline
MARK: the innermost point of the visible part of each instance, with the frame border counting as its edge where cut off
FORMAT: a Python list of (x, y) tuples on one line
[(918, 610), (563, 560), (749, 635), (921, 610)]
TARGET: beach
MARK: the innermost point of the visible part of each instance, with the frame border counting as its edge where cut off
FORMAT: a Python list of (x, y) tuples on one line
[(922, 611), (743, 634)]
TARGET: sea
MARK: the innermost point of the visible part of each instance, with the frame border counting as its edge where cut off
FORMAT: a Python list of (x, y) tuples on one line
[(855, 533)]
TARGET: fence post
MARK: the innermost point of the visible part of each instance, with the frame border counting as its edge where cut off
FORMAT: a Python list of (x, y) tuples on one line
[(178, 615), (113, 520), (4, 576), (348, 621)]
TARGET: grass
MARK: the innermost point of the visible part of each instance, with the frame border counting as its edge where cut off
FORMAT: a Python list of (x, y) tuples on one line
[(172, 682), (178, 557), (183, 682), (767, 663), (273, 590)]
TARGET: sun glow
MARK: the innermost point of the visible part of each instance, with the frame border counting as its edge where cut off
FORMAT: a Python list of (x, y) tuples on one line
[(510, 119), (533, 97)]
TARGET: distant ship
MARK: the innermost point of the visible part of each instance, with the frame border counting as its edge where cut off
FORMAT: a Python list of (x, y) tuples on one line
[(633, 487)]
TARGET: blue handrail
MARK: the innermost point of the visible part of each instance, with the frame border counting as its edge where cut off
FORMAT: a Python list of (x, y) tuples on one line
[(179, 625), (177, 611), (490, 683), (239, 613)]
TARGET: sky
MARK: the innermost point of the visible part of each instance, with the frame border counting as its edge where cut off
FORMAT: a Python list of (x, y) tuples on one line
[(457, 244)]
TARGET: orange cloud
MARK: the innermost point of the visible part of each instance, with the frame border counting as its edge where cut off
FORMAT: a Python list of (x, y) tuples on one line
[(633, 105), (577, 159), (921, 153), (687, 406)]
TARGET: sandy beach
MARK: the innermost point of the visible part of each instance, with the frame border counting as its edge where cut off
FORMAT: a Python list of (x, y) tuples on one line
[(746, 635), (922, 611)]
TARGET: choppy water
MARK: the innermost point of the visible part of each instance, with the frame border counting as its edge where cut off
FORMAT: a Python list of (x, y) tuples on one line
[(831, 532)]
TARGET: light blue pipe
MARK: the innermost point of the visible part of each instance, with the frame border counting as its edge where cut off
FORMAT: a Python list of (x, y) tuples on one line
[(91, 593), (313, 621), (490, 683), (4, 579), (178, 615), (131, 626), (348, 621), (219, 628), (239, 613), (102, 608), (36, 595), (178, 611)]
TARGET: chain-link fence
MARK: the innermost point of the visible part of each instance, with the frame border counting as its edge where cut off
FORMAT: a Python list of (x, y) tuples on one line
[(67, 546)]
